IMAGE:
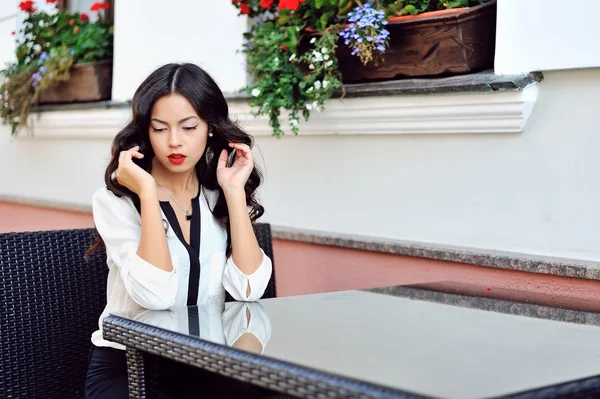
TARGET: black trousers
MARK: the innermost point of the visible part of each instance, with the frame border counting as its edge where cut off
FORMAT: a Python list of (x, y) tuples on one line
[(107, 379)]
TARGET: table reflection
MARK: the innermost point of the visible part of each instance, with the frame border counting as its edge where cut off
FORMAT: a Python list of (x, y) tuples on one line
[(242, 325)]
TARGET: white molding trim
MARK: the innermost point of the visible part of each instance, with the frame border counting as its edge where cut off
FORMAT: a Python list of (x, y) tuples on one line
[(460, 113)]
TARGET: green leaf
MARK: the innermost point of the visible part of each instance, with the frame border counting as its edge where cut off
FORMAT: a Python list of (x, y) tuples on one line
[(323, 21), (320, 3)]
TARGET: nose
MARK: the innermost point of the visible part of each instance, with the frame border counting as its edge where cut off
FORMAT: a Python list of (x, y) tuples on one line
[(174, 140)]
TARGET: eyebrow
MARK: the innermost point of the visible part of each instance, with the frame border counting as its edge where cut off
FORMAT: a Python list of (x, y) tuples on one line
[(181, 121)]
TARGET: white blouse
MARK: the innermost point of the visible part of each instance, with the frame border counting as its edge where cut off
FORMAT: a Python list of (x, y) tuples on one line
[(135, 284)]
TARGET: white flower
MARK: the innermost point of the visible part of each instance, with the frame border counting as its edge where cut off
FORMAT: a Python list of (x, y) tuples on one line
[(255, 92), (310, 89), (329, 63), (308, 106), (37, 47), (311, 66), (314, 39), (294, 122), (325, 83), (276, 60), (317, 85), (323, 50), (292, 57), (326, 56), (315, 104)]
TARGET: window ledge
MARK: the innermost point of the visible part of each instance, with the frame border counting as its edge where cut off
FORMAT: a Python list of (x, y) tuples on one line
[(474, 104)]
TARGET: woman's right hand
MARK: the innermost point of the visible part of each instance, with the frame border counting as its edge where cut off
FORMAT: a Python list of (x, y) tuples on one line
[(131, 175)]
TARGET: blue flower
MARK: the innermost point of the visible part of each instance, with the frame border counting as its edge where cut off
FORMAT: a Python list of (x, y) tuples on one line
[(42, 70), (43, 56)]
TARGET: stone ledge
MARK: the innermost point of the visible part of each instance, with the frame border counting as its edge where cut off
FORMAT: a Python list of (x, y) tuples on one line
[(481, 257), (481, 82)]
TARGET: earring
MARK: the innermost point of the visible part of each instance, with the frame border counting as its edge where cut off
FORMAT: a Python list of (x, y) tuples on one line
[(210, 134)]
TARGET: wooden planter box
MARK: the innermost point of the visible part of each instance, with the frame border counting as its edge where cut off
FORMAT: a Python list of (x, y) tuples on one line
[(430, 44), (88, 82)]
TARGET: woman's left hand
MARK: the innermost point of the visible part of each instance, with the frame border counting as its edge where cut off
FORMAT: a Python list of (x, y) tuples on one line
[(235, 177)]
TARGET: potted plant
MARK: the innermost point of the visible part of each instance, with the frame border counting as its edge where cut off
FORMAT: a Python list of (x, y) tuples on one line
[(61, 57), (300, 52)]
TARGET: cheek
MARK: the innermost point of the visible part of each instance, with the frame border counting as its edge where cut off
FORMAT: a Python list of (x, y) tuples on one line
[(156, 143), (199, 143)]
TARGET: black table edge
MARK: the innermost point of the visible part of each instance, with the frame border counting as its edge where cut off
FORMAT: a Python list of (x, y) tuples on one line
[(273, 374)]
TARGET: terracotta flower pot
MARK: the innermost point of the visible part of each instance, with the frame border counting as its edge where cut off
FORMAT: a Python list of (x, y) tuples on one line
[(438, 43), (426, 14), (88, 82)]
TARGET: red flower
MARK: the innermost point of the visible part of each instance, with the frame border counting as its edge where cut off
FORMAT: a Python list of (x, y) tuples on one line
[(266, 3), (99, 6), (84, 17), (285, 48), (244, 9), (71, 22), (13, 33), (52, 1), (27, 6), (290, 4)]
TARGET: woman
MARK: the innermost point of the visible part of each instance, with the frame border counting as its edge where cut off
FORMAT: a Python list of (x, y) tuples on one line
[(177, 212)]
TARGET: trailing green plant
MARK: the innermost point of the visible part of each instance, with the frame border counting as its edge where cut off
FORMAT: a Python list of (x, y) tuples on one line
[(48, 44), (291, 48)]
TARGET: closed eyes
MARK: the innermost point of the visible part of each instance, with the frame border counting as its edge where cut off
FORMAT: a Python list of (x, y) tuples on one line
[(162, 129)]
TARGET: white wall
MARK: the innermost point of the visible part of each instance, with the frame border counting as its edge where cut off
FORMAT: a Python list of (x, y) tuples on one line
[(537, 35), (536, 192), (8, 23), (205, 32)]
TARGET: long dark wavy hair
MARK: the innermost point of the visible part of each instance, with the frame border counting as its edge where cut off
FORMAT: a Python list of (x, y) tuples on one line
[(202, 92)]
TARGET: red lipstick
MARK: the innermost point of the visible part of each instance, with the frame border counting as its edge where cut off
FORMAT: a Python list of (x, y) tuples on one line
[(176, 158)]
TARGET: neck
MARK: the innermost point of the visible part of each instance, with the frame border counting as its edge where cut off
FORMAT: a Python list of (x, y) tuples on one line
[(176, 183)]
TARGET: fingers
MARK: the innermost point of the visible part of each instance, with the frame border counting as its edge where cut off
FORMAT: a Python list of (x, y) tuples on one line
[(129, 154), (222, 159), (243, 150)]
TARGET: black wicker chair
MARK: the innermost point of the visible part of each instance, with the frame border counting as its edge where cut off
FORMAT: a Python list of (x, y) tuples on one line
[(50, 301)]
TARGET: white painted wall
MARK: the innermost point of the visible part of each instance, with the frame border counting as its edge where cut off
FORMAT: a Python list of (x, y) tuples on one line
[(8, 23), (534, 35), (536, 192), (205, 32)]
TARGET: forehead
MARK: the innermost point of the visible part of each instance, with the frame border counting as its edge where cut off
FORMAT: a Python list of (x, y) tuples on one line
[(173, 107)]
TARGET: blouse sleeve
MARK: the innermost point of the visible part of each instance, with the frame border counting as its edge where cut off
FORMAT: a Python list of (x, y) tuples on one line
[(119, 225), (236, 282)]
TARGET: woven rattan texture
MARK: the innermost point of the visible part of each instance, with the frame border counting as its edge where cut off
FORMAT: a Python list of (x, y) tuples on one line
[(49, 306)]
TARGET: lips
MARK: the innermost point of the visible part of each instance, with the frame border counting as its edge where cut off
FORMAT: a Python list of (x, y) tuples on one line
[(176, 158)]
